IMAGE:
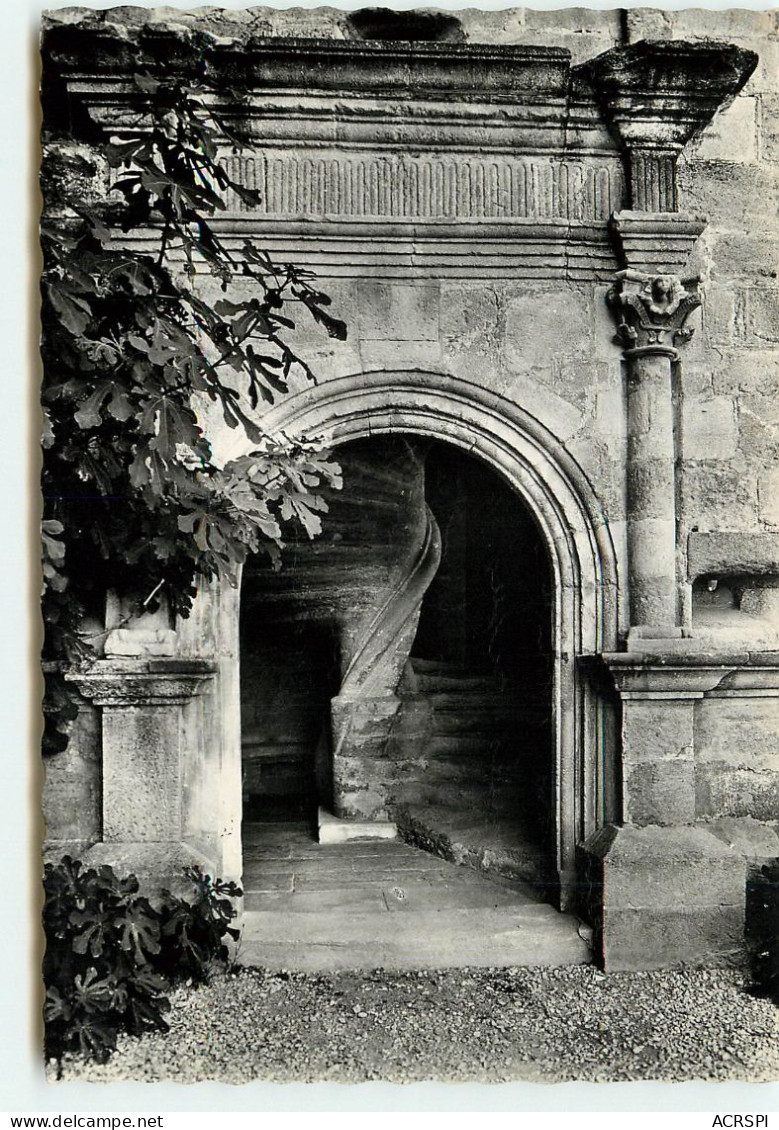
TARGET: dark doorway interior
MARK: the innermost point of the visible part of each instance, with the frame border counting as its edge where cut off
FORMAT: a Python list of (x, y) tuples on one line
[(288, 676)]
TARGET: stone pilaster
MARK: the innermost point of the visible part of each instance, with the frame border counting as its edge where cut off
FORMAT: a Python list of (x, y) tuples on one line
[(664, 889), (658, 698), (141, 702), (656, 97)]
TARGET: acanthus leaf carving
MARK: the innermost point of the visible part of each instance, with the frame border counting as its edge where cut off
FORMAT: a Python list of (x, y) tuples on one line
[(651, 310)]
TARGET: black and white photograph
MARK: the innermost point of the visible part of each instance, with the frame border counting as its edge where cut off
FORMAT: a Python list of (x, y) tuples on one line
[(410, 545)]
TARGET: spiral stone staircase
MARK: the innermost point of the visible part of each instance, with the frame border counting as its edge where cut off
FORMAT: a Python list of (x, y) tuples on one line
[(365, 577), (470, 791)]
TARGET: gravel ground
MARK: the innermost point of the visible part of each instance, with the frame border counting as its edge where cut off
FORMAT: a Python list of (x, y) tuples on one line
[(490, 1025)]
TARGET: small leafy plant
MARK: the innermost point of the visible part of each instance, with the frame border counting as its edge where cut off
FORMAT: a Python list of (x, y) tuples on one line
[(194, 934), (112, 956)]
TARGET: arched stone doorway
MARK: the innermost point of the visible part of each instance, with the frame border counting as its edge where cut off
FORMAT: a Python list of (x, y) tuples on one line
[(571, 524), (456, 747)]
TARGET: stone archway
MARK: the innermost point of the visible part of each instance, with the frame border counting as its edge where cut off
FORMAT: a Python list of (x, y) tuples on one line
[(565, 507)]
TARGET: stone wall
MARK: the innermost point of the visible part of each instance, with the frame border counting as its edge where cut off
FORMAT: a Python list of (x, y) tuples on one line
[(71, 791)]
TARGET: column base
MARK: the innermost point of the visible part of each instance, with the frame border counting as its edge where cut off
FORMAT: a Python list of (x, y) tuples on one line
[(156, 865), (658, 637), (665, 898)]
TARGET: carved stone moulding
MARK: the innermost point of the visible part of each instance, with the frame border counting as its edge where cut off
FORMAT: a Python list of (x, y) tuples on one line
[(657, 95), (684, 675), (154, 682), (655, 243), (373, 68), (329, 93), (336, 248)]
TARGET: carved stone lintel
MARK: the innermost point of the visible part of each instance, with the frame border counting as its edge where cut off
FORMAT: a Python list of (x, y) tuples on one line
[(651, 311)]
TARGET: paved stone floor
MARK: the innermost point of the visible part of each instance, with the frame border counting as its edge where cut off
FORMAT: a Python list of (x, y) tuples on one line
[(374, 904)]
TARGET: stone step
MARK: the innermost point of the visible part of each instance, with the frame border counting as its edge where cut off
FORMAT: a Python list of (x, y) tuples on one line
[(493, 747), (459, 774), (417, 939), (457, 684), (437, 666), (478, 701), (407, 897), (373, 905), (494, 724), (262, 846), (453, 798), (262, 875), (495, 847)]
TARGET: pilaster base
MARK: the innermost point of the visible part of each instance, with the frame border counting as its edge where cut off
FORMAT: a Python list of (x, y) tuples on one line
[(155, 865), (664, 898)]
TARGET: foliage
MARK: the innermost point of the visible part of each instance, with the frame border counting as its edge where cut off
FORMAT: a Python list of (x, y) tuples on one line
[(101, 937), (150, 320), (194, 933), (111, 955)]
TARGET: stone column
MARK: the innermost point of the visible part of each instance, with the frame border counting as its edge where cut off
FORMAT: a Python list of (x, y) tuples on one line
[(651, 311), (656, 97), (661, 890), (142, 770)]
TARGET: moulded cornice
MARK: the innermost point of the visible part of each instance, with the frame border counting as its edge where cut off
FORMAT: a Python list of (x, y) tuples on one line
[(126, 683), (656, 96), (661, 93), (655, 243), (689, 675), (359, 67)]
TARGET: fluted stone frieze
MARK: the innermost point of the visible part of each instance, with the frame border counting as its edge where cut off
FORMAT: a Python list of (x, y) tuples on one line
[(425, 186)]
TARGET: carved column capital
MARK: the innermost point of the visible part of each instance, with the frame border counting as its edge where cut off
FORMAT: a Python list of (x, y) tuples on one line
[(651, 311)]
